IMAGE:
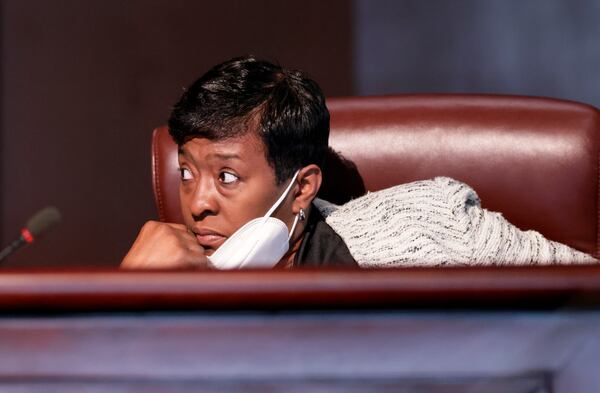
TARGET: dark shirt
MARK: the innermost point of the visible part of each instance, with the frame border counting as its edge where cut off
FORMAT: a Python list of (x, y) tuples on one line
[(322, 246)]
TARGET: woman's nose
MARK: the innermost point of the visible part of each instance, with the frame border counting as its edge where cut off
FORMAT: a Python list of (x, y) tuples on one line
[(204, 201)]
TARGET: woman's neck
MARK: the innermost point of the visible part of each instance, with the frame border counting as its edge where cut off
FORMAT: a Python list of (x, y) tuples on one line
[(287, 261)]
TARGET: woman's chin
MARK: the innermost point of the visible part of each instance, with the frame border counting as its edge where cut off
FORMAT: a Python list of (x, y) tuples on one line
[(209, 251)]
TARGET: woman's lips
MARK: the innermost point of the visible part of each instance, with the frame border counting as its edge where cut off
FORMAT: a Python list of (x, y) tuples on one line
[(209, 239)]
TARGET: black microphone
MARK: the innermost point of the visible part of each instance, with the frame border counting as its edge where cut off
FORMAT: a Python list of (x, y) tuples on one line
[(39, 224)]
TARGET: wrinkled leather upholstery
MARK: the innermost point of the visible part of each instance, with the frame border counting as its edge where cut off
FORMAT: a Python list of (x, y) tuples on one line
[(533, 159)]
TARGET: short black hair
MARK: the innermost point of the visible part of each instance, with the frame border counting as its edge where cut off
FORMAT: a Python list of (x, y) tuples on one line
[(288, 107)]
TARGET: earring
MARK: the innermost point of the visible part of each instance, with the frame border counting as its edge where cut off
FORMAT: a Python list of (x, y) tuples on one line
[(301, 215)]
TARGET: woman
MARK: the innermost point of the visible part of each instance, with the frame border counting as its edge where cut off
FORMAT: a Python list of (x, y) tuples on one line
[(246, 130)]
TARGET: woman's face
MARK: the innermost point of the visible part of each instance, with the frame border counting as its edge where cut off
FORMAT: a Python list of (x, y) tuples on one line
[(225, 184)]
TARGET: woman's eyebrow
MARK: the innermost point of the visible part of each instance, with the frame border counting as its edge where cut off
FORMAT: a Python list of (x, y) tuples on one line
[(227, 156)]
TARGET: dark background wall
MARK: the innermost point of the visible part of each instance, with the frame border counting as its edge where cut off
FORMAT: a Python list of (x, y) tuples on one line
[(84, 82), (528, 47)]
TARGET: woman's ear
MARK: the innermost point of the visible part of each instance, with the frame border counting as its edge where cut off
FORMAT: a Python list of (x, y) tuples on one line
[(309, 179)]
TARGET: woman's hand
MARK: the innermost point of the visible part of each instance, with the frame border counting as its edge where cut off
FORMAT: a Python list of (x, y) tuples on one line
[(165, 246)]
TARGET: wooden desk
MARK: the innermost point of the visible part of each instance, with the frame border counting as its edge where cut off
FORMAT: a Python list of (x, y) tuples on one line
[(413, 330)]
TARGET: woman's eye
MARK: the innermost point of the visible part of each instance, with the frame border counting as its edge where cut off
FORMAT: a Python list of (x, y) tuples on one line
[(227, 177), (186, 174)]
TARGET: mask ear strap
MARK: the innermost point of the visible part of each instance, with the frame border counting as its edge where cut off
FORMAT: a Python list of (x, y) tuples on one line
[(296, 219), (282, 197)]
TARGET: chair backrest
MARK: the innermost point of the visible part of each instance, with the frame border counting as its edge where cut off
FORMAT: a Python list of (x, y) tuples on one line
[(536, 160)]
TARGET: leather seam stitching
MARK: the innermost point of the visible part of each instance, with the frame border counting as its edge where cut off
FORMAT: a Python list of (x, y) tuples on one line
[(157, 185), (598, 203)]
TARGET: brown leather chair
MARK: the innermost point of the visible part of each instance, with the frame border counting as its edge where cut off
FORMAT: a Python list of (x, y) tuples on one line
[(536, 160)]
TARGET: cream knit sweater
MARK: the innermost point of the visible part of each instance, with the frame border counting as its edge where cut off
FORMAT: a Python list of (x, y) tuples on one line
[(437, 222)]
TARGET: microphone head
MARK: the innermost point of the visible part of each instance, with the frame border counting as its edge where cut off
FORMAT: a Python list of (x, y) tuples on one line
[(43, 221)]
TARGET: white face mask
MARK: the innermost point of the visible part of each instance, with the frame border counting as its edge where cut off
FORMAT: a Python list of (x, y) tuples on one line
[(260, 243)]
